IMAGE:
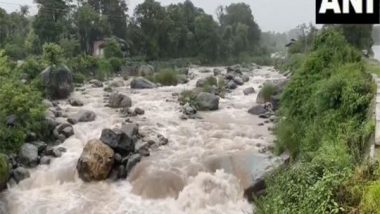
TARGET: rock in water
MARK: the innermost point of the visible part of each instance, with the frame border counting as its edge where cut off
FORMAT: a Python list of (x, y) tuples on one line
[(29, 155), (118, 100), (231, 85), (207, 101), (121, 140), (96, 161), (249, 91), (75, 102), (257, 110), (58, 82), (142, 83), (145, 70), (82, 116), (20, 173)]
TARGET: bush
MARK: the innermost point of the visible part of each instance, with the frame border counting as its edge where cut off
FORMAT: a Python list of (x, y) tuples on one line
[(112, 49), (70, 47), (104, 69), (22, 101), (32, 66), (268, 91), (326, 125), (166, 77), (84, 64), (116, 64), (15, 51), (189, 96), (309, 187), (52, 53), (370, 203), (4, 170)]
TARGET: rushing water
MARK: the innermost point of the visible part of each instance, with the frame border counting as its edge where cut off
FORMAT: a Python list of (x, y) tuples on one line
[(57, 189), (376, 50)]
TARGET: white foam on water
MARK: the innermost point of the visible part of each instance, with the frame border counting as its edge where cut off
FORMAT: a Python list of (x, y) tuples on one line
[(57, 189)]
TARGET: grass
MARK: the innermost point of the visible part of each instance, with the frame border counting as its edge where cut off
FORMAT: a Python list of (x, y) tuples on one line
[(267, 91), (165, 77), (373, 67)]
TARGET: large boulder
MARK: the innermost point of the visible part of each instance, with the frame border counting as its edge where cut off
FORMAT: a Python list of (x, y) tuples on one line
[(257, 110), (20, 173), (142, 83), (4, 171), (121, 140), (207, 101), (146, 70), (29, 155), (118, 100), (82, 116), (58, 82), (95, 162)]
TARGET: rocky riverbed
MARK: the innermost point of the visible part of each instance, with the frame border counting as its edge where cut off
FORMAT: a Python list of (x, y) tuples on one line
[(201, 165)]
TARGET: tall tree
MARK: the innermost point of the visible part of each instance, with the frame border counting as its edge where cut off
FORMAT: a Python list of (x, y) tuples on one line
[(90, 26), (234, 18), (49, 22)]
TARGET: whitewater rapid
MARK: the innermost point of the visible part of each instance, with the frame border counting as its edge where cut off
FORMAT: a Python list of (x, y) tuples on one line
[(56, 188)]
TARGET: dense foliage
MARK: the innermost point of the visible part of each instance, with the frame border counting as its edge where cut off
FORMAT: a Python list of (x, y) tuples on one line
[(21, 100), (326, 126)]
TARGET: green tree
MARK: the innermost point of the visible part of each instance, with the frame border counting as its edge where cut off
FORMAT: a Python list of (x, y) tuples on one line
[(52, 54), (49, 22)]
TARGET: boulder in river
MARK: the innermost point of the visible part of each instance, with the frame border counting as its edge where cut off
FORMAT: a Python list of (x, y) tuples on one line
[(95, 162), (142, 83), (146, 70), (249, 91), (29, 155), (82, 116), (58, 82), (245, 78), (238, 81), (75, 102), (121, 140), (20, 173), (231, 85), (207, 102), (64, 129), (118, 100), (257, 110)]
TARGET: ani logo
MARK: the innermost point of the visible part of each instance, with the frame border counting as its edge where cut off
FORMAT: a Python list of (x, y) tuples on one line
[(348, 11)]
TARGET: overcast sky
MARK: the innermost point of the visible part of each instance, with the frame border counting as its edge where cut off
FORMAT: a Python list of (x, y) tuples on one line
[(272, 15)]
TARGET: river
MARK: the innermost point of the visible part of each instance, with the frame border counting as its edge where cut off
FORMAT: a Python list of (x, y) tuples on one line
[(56, 188)]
